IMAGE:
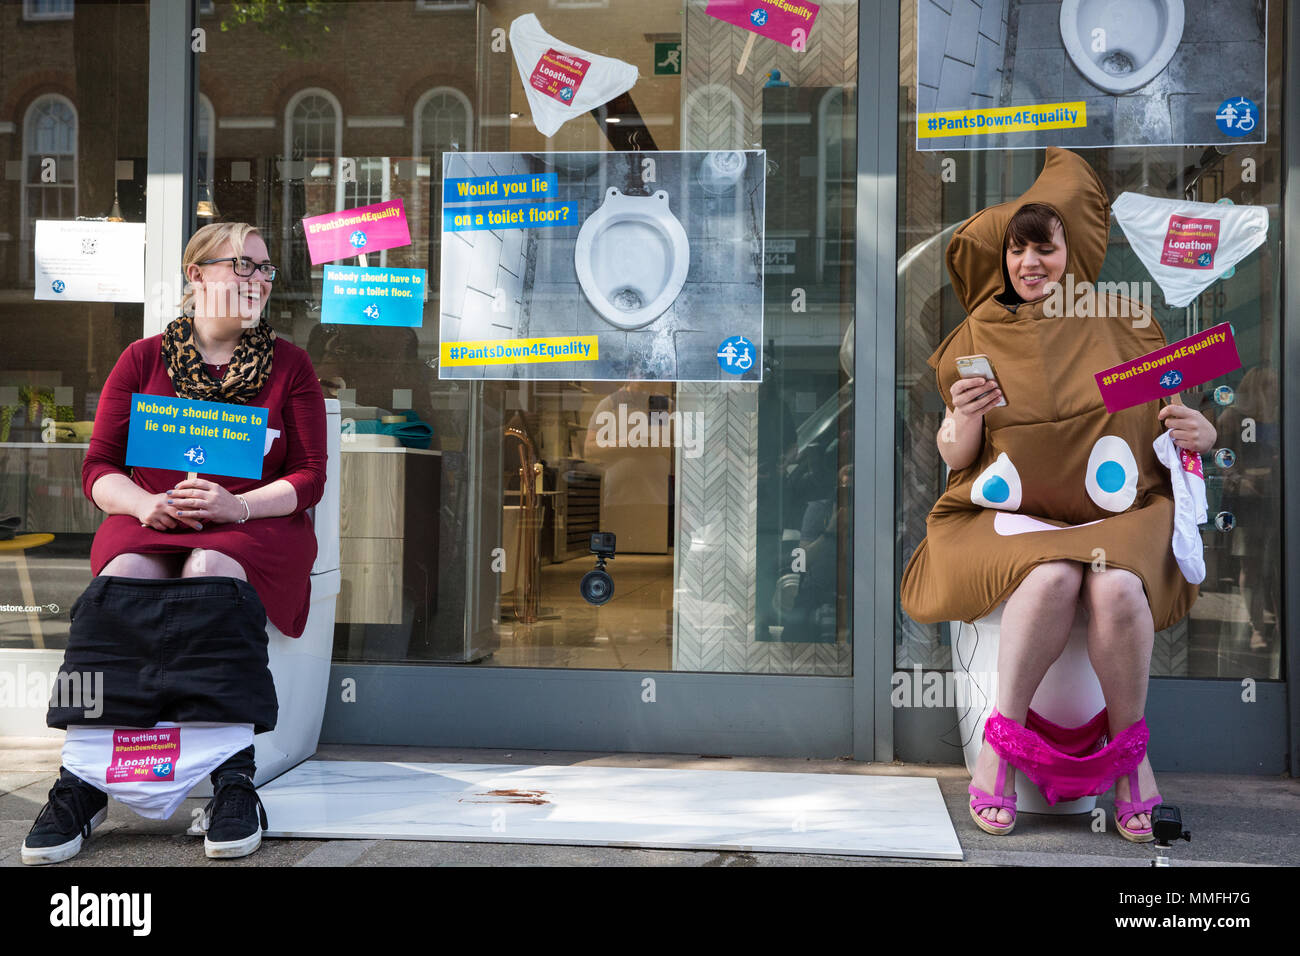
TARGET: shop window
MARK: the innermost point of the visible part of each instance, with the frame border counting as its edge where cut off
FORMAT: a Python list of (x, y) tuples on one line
[(58, 352), (47, 9), (49, 135), (713, 117), (313, 142), (1160, 141), (206, 133), (443, 121)]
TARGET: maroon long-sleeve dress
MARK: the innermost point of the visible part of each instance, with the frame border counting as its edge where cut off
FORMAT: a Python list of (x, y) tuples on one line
[(276, 553)]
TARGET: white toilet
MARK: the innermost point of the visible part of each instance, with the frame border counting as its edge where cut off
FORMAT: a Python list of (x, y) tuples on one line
[(1137, 40), (300, 666), (632, 257), (1069, 695)]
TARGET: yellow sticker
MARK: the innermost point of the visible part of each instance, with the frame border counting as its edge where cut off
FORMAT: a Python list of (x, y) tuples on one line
[(570, 348), (1003, 119)]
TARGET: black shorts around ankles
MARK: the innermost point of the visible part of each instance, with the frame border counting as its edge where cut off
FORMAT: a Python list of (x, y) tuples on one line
[(144, 650)]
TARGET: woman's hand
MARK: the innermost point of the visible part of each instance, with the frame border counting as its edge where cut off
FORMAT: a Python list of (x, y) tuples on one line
[(205, 500), (1189, 428), (972, 397), (155, 512)]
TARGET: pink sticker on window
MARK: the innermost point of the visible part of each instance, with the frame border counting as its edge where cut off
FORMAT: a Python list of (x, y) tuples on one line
[(1190, 243), (559, 75), (140, 756)]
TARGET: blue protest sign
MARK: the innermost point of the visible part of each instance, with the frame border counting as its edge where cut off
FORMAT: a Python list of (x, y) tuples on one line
[(182, 434), (360, 295)]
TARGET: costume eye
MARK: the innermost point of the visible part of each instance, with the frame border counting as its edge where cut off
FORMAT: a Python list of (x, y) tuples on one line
[(1112, 475), (998, 486)]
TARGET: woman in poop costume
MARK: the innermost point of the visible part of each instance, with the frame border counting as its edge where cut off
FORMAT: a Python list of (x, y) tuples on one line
[(1043, 486)]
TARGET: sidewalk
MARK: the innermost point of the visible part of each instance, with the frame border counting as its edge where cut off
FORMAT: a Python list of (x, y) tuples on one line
[(1234, 820)]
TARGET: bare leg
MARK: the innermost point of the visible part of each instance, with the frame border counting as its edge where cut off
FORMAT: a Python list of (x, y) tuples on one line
[(144, 566), (1035, 628), (1120, 637), (204, 562)]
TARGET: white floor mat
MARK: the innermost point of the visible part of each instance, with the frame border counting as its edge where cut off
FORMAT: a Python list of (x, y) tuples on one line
[(848, 814)]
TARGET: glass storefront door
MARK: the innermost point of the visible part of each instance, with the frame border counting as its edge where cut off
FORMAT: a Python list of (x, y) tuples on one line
[(725, 479), (1163, 139), (74, 84)]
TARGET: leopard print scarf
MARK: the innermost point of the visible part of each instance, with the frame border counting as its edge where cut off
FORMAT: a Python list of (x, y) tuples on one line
[(246, 375)]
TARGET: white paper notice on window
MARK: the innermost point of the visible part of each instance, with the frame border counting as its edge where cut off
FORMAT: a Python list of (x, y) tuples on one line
[(89, 261)]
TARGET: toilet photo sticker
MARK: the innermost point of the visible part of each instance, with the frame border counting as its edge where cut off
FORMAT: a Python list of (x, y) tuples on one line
[(600, 266), (1006, 74)]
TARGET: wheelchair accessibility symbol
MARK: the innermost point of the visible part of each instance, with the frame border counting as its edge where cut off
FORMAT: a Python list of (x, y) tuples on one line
[(358, 239), (1171, 379), (758, 17), (736, 355), (163, 769), (1237, 117), (195, 455)]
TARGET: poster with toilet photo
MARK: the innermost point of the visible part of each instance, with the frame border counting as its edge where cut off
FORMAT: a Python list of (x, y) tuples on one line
[(1027, 74), (602, 266)]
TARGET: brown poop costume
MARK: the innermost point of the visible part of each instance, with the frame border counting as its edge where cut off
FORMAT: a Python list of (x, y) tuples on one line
[(1046, 459)]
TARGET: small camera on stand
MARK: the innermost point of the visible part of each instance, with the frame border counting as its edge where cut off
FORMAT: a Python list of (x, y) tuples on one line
[(597, 587), (1166, 827)]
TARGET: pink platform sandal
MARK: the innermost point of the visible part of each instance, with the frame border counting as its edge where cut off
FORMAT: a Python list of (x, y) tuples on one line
[(1126, 810), (984, 801)]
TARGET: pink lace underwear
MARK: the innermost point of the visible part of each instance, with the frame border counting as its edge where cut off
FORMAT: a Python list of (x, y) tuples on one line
[(1067, 762)]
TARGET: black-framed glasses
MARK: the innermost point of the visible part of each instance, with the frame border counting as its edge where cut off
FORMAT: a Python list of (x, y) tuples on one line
[(245, 267)]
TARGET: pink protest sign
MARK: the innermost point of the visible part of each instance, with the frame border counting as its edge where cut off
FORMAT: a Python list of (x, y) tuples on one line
[(1192, 361), (559, 75), (142, 755), (354, 232), (1190, 243), (785, 21)]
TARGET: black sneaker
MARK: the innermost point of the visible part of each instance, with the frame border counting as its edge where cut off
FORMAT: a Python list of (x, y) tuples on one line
[(233, 815), (73, 810)]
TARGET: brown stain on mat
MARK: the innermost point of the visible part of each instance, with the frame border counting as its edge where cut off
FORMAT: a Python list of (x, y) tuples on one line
[(510, 796)]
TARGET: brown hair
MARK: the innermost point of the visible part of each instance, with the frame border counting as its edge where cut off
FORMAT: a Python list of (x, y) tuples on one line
[(206, 241), (1033, 222)]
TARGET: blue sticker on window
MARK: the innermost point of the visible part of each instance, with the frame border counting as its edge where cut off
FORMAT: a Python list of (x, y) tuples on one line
[(736, 355), (1237, 117)]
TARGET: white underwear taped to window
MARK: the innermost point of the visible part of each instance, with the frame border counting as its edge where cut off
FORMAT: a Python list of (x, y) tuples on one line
[(563, 81), (1186, 246), (151, 770)]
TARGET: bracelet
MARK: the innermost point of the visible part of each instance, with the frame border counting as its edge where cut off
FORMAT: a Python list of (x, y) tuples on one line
[(247, 511)]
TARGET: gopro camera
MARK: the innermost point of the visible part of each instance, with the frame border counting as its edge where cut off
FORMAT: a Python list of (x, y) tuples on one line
[(1167, 825), (597, 587)]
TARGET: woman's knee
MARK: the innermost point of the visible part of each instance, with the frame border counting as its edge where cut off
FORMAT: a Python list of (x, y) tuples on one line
[(1115, 593), (1057, 579), (204, 562)]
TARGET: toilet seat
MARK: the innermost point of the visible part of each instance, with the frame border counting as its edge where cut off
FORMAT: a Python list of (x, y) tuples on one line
[(632, 258), (1143, 34)]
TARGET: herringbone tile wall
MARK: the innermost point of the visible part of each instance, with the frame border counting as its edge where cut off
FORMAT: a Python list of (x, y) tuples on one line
[(713, 621)]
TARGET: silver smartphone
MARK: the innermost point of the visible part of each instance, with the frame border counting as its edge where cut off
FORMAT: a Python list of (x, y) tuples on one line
[(979, 366)]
